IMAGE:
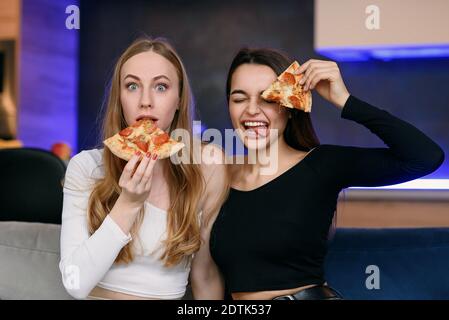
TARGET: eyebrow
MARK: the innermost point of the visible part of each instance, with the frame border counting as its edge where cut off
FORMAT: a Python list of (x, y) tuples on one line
[(236, 91), (137, 78), (239, 91)]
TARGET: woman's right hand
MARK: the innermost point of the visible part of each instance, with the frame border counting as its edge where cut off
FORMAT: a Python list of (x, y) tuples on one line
[(135, 180)]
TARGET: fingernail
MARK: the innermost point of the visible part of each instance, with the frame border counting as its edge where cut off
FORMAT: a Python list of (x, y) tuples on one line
[(154, 156), (138, 153), (148, 154)]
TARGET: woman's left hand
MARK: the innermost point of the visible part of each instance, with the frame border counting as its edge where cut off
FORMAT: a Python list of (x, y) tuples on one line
[(325, 77)]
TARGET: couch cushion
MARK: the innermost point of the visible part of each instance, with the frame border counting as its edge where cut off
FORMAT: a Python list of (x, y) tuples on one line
[(29, 255)]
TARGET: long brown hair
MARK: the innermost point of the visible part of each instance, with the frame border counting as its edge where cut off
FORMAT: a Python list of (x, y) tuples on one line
[(299, 132), (185, 181)]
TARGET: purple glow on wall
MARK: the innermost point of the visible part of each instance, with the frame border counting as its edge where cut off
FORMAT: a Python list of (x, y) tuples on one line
[(48, 83)]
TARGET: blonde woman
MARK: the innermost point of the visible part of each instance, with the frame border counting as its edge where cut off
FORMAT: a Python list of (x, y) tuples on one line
[(133, 230)]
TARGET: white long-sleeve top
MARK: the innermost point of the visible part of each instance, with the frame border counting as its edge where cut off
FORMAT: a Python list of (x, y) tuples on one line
[(88, 260)]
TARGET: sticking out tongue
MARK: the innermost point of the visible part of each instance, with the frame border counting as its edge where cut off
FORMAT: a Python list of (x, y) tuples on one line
[(262, 131)]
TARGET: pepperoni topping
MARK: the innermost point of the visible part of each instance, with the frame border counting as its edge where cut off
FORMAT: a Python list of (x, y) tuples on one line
[(142, 145), (161, 139), (126, 132), (288, 78), (296, 102), (272, 97)]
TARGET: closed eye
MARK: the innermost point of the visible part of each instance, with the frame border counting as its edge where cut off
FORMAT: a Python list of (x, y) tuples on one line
[(269, 102), (239, 98)]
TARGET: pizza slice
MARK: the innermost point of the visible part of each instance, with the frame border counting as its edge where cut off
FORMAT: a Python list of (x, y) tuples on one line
[(287, 91), (143, 136)]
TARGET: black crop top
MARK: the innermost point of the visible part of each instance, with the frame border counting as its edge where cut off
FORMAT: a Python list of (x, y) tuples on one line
[(275, 236)]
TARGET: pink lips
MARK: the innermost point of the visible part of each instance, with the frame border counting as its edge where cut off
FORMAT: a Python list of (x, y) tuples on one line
[(146, 117)]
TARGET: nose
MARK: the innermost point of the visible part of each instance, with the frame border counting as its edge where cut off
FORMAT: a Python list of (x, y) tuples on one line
[(253, 107), (145, 99)]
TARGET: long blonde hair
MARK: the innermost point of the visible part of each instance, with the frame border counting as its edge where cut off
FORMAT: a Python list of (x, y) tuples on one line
[(185, 181)]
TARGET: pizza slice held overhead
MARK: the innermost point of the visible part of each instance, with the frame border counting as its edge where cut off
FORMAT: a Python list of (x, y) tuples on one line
[(287, 91), (143, 136)]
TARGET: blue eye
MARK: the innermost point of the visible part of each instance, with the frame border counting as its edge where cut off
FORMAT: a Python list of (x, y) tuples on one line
[(132, 86), (161, 87)]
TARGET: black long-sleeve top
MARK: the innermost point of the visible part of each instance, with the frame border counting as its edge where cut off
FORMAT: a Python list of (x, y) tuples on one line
[(275, 236)]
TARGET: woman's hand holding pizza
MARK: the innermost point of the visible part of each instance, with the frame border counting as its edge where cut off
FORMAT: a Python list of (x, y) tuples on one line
[(325, 77), (135, 180)]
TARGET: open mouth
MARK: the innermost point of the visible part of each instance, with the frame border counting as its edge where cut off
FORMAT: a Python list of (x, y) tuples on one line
[(255, 129)]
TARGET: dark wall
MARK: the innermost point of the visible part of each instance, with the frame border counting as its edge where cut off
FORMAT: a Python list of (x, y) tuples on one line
[(208, 33)]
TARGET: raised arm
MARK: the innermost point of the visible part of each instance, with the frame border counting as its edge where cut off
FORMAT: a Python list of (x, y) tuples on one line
[(410, 154), (86, 258)]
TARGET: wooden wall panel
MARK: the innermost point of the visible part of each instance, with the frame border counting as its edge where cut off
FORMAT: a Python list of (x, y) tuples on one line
[(390, 213), (9, 19)]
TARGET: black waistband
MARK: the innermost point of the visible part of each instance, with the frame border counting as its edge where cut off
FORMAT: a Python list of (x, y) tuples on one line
[(320, 292)]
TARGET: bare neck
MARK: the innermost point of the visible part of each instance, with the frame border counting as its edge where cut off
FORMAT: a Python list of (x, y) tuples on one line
[(278, 155)]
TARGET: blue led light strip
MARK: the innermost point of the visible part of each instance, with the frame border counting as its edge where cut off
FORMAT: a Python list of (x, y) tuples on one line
[(418, 184), (355, 53)]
